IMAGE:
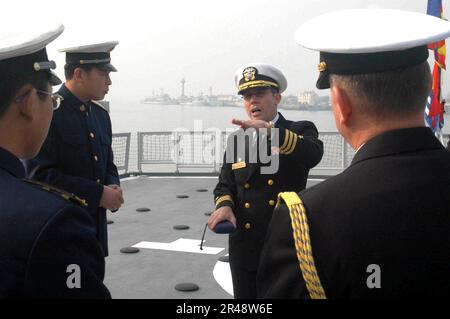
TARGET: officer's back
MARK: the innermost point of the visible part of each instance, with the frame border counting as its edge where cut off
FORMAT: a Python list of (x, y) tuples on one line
[(380, 229), (42, 235), (391, 232)]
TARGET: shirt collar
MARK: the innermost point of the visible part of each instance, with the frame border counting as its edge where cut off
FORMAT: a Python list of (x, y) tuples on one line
[(11, 163), (359, 148), (396, 142), (274, 121)]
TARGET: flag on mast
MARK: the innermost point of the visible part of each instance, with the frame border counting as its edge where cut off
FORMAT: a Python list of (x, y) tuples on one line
[(434, 109)]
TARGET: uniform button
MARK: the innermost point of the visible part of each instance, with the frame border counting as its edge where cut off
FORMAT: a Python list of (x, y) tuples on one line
[(247, 186), (83, 108), (247, 205), (270, 182), (92, 135), (271, 202), (248, 226), (98, 181), (96, 158)]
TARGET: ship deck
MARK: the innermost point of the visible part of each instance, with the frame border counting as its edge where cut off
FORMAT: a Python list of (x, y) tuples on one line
[(173, 256)]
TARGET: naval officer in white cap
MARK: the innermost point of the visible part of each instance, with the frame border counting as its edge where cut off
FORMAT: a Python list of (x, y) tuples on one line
[(77, 155), (381, 228), (48, 247), (245, 195)]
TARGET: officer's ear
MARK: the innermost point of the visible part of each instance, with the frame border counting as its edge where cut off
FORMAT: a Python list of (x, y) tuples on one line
[(342, 105), (24, 101), (78, 74)]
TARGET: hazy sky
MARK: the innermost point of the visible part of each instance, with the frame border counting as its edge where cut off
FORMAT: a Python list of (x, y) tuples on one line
[(203, 40)]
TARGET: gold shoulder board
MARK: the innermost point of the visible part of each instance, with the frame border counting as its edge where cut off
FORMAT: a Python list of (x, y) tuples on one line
[(59, 192)]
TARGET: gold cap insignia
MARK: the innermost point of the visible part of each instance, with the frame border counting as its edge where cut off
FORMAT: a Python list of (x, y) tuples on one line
[(322, 66), (249, 73)]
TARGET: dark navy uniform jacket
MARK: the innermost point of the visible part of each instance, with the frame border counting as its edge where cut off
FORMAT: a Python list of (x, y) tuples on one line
[(390, 208), (41, 234), (77, 155), (253, 195)]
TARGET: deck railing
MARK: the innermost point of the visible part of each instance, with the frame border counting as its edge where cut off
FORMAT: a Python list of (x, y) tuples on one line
[(121, 148), (202, 153)]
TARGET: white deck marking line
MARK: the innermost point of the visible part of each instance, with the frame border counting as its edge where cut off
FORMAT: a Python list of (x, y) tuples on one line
[(181, 245), (222, 275), (131, 178)]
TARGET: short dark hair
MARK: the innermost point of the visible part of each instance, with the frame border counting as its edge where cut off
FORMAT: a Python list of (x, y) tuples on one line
[(70, 68), (11, 84), (398, 92)]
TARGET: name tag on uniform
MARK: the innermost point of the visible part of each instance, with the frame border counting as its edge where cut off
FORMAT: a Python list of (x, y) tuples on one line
[(239, 165)]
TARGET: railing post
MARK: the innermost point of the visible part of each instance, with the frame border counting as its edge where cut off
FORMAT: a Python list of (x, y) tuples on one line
[(127, 152), (213, 151), (139, 151), (192, 159), (176, 149)]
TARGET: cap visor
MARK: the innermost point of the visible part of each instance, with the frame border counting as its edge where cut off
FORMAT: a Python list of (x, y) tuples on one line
[(324, 81), (107, 67), (54, 79)]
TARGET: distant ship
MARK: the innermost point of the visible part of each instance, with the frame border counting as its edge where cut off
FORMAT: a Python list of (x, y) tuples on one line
[(161, 99)]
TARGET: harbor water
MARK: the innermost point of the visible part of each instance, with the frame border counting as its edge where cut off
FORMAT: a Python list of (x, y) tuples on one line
[(133, 116)]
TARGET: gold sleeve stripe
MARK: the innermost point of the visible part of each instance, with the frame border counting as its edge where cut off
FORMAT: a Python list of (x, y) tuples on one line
[(299, 222), (294, 144), (223, 198), (291, 144), (286, 140), (289, 141)]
